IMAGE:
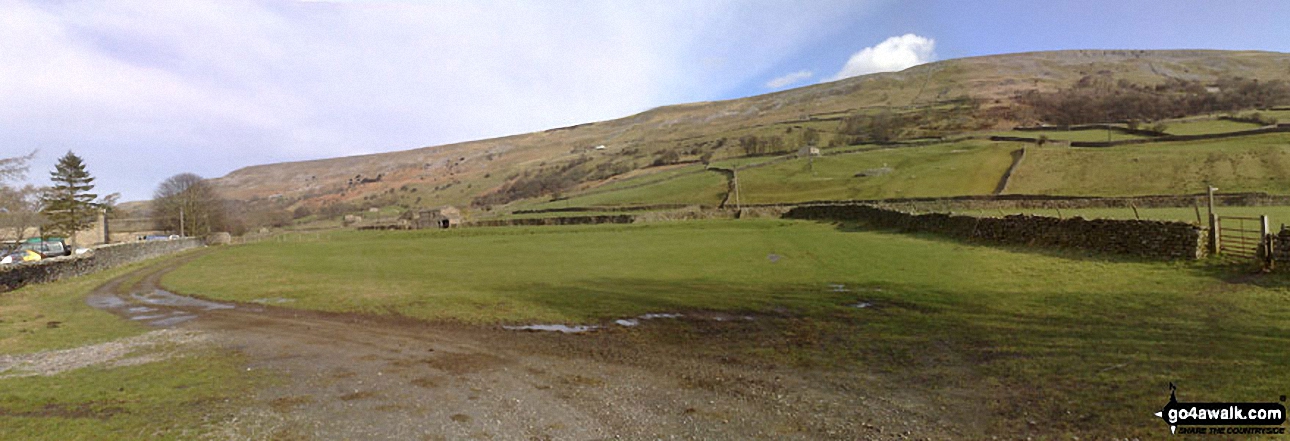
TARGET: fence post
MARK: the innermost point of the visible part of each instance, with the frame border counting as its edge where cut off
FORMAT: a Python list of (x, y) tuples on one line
[(1213, 234), (1265, 242)]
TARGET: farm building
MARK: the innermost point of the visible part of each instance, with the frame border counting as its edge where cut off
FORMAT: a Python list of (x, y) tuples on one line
[(442, 217)]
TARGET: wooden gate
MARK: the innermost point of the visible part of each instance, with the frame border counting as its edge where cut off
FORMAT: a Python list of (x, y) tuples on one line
[(1242, 239)]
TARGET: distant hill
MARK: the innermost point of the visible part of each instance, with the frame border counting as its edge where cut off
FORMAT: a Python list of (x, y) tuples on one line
[(945, 98)]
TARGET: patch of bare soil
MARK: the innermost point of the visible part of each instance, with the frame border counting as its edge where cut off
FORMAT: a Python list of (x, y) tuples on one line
[(361, 377), (123, 352)]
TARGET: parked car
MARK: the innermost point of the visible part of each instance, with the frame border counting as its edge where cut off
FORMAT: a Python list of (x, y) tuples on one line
[(51, 247), (20, 257)]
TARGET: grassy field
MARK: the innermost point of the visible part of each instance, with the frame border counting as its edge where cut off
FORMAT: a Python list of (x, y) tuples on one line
[(705, 188), (973, 167), (1253, 163), (178, 398), (961, 168), (1282, 116), (1207, 126), (1086, 344)]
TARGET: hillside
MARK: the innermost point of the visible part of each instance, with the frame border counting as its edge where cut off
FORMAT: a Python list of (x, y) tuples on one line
[(947, 98)]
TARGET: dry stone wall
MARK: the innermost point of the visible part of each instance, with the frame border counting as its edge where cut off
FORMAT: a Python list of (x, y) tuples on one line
[(98, 259), (1148, 239), (570, 220), (1281, 250)]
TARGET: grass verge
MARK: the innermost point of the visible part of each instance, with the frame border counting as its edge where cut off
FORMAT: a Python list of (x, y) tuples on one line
[(181, 397)]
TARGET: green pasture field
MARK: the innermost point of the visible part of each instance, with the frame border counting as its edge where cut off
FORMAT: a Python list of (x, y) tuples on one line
[(951, 169), (703, 188), (1202, 127), (178, 398), (1244, 164), (658, 176), (1282, 116), (1085, 344)]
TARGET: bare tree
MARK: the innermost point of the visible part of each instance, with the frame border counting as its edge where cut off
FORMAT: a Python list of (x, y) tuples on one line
[(15, 167), (19, 205), (187, 203), (20, 216)]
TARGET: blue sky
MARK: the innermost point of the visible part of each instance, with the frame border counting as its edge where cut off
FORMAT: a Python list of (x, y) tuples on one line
[(144, 90)]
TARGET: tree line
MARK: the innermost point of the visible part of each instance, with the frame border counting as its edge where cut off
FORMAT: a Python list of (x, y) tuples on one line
[(184, 203), (1102, 98)]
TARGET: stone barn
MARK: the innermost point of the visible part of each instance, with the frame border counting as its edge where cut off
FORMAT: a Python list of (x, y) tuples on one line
[(442, 217)]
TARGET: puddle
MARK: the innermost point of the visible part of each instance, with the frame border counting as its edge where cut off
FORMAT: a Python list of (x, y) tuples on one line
[(160, 315), (838, 287), (652, 316), (105, 302), (167, 298), (773, 258), (862, 305), (273, 300), (627, 322), (173, 320), (553, 328), (725, 318)]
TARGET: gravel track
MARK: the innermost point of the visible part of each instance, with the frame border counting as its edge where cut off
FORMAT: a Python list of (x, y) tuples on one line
[(347, 376)]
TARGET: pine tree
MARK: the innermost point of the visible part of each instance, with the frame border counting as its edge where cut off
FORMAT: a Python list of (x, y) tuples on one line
[(69, 206)]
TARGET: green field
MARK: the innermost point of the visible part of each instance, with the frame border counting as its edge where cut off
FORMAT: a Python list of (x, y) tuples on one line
[(972, 167), (1245, 164), (177, 398), (702, 188), (1282, 116), (960, 168), (1207, 126), (1072, 135), (1088, 344)]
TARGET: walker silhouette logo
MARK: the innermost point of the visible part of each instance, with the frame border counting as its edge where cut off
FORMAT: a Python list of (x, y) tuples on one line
[(1223, 414)]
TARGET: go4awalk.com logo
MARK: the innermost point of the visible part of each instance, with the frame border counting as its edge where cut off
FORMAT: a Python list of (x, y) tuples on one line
[(1223, 418)]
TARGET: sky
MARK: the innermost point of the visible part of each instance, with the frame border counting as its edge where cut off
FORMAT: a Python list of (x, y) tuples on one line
[(143, 90)]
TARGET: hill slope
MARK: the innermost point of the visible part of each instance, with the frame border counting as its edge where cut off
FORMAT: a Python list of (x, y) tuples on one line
[(944, 98)]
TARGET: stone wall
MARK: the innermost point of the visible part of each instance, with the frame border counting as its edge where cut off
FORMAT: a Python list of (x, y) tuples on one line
[(1149, 239), (571, 220), (1281, 250), (97, 259), (1153, 137), (1019, 201)]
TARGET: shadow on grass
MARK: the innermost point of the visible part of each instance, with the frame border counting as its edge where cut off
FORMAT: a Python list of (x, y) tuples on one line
[(1086, 363)]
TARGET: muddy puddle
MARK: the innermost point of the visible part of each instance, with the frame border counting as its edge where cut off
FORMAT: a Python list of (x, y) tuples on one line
[(167, 298), (624, 322), (566, 329), (158, 308)]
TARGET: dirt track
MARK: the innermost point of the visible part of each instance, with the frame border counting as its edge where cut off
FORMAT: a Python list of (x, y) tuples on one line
[(362, 377)]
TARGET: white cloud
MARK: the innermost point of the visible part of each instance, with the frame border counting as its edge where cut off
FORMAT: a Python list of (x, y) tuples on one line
[(789, 79), (144, 90), (893, 54)]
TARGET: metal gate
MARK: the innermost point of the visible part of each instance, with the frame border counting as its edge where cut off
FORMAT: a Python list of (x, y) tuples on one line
[(1241, 239)]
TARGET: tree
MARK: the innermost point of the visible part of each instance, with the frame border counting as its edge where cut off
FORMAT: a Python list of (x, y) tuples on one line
[(19, 205), (69, 205), (810, 137), (15, 167), (186, 203)]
